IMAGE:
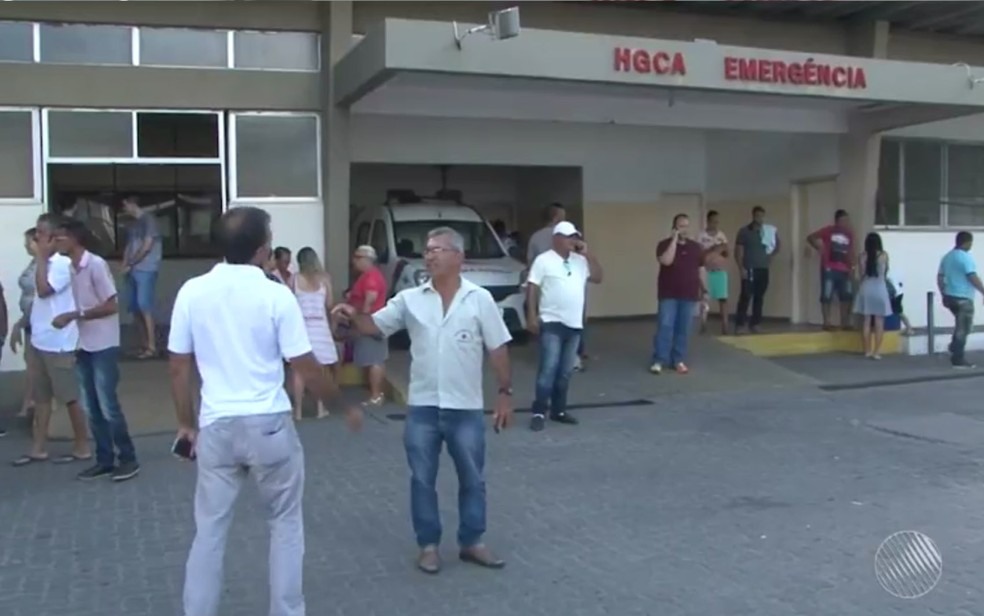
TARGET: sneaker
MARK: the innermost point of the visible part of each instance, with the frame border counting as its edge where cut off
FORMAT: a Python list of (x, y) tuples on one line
[(963, 365), (656, 368), (578, 365), (94, 472), (564, 418), (536, 424), (126, 470)]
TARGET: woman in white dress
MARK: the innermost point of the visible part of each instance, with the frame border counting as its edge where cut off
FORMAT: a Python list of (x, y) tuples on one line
[(312, 287)]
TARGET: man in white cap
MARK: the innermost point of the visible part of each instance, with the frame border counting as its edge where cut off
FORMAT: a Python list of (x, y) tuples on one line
[(555, 311)]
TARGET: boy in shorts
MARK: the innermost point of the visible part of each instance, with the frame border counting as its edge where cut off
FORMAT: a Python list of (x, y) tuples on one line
[(715, 245)]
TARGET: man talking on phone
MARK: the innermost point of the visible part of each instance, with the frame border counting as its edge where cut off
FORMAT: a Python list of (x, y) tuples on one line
[(238, 327)]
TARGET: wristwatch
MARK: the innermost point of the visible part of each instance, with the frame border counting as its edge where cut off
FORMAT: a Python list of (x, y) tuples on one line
[(505, 391)]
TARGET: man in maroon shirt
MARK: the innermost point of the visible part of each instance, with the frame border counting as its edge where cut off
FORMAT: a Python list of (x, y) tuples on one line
[(835, 243), (680, 286)]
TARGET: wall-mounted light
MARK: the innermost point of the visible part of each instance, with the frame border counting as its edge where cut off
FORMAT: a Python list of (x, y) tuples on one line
[(502, 25)]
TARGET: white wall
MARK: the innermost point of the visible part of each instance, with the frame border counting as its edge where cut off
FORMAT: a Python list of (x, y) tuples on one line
[(915, 256), (967, 128), (755, 165), (620, 163)]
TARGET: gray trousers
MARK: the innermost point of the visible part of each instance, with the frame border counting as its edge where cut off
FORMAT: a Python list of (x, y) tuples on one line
[(267, 448)]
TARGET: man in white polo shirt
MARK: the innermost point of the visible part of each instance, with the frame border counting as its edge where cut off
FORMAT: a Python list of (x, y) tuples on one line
[(555, 311), (54, 348), (450, 321), (238, 327)]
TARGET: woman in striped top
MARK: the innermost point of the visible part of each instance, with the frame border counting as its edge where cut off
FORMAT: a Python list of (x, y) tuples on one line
[(312, 286)]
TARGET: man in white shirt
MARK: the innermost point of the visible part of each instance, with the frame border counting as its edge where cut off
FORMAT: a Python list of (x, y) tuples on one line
[(555, 311), (238, 327), (450, 321), (55, 349)]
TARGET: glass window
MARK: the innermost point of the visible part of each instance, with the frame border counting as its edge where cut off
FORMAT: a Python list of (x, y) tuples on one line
[(480, 241), (922, 184), (379, 241), (297, 51), (183, 47), (965, 185), (277, 156), (887, 201), (16, 41), (16, 155), (177, 135), (92, 134), (78, 44)]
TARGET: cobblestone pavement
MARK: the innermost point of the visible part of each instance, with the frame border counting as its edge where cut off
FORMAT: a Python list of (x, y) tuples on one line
[(769, 503)]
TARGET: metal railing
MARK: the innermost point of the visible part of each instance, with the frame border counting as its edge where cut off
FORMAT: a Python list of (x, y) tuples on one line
[(931, 322)]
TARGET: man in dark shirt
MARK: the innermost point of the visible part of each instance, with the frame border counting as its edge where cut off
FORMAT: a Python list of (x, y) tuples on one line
[(755, 246), (680, 286)]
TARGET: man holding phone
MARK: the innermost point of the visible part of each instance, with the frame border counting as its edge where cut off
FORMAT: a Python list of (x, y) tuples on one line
[(681, 285), (555, 311), (238, 327)]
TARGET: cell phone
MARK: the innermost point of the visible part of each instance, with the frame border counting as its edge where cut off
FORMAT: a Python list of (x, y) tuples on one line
[(183, 448)]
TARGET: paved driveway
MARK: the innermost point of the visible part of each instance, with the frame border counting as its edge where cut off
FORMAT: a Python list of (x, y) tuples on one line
[(768, 503)]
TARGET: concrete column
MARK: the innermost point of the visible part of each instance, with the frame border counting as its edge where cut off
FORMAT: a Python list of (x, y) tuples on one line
[(868, 39), (857, 182), (336, 38)]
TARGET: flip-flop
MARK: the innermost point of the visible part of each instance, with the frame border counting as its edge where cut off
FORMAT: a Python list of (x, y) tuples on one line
[(28, 459), (68, 459)]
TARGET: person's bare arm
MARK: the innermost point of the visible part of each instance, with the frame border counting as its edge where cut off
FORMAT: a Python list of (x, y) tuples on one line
[(4, 324), (499, 359), (595, 273), (976, 281), (812, 239), (668, 256), (778, 246), (314, 378), (940, 284), (42, 285), (532, 303), (180, 369)]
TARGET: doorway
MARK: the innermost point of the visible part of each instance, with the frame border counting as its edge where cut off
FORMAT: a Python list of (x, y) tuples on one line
[(817, 202)]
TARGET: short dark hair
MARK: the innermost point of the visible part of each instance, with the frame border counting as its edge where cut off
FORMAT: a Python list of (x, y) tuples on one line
[(74, 228), (280, 251), (31, 232), (758, 209), (678, 218), (242, 231), (840, 214), (49, 220), (548, 212), (712, 214), (964, 237)]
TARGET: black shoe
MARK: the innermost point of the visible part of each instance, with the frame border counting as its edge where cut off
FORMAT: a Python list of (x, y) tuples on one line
[(536, 424), (564, 418), (94, 472), (126, 470)]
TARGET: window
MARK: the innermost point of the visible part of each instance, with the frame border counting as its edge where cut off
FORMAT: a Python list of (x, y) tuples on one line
[(78, 44), (183, 47), (362, 235), (889, 174), (379, 241), (965, 185), (186, 201), (298, 51), (276, 156), (177, 135), (922, 183), (480, 241), (16, 41), (17, 154), (96, 134)]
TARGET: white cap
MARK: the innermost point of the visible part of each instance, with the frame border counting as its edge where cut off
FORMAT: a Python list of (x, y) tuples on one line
[(565, 228)]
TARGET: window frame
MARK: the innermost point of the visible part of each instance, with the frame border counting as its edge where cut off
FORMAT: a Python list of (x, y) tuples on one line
[(233, 158), (37, 167), (134, 40), (138, 60), (944, 196), (318, 42)]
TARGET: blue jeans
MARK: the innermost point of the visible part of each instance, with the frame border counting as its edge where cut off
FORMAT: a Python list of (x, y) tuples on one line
[(674, 321), (558, 355), (426, 429), (99, 375)]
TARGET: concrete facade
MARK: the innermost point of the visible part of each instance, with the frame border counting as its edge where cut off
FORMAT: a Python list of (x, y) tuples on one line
[(646, 145)]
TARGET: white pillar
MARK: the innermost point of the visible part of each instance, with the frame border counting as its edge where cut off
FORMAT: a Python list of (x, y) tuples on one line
[(336, 39)]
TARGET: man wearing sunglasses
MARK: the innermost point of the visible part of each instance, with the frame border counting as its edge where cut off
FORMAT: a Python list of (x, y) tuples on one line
[(555, 311)]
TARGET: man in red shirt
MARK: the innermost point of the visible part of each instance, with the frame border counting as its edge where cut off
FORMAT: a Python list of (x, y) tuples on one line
[(681, 285), (835, 243), (368, 295)]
